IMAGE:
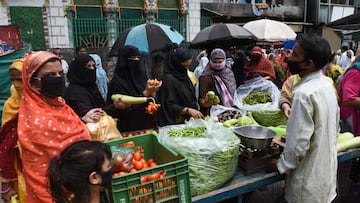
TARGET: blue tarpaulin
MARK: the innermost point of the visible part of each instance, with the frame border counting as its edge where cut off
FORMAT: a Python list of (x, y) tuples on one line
[(5, 81)]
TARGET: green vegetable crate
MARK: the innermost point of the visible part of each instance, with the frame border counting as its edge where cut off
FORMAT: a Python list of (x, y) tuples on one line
[(173, 187)]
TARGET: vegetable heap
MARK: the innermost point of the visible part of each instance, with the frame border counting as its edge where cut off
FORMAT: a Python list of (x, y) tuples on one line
[(346, 141), (212, 155), (188, 132), (257, 98), (228, 114), (270, 117)]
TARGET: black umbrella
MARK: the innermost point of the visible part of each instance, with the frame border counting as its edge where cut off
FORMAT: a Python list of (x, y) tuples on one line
[(227, 34), (147, 38)]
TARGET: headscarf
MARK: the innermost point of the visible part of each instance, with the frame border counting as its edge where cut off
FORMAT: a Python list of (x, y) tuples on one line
[(130, 77), (44, 130), (224, 79), (79, 74), (258, 65), (174, 66), (200, 68), (218, 54), (101, 77), (12, 104)]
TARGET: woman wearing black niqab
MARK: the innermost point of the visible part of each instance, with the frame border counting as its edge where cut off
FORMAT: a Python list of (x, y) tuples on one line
[(130, 79), (82, 94), (177, 93)]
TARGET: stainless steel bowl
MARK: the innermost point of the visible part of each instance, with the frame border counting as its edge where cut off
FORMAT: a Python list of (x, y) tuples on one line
[(257, 137)]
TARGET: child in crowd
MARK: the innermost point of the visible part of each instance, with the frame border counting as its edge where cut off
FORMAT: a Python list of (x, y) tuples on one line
[(80, 172)]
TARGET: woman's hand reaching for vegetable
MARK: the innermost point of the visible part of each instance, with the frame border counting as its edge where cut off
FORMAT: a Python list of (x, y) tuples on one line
[(152, 86), (119, 104), (93, 115), (207, 102), (286, 109), (194, 113)]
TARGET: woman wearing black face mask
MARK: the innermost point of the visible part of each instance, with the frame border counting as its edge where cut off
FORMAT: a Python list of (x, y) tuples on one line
[(130, 78), (46, 125), (80, 172), (177, 95), (83, 94)]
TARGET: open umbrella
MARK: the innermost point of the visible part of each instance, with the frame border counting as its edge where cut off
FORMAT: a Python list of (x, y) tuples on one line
[(270, 30), (226, 34), (147, 38)]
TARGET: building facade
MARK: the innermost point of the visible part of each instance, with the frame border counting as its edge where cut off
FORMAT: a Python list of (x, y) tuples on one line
[(92, 23), (97, 23)]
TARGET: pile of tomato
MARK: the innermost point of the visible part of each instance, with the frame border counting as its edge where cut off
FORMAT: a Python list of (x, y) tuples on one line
[(160, 187), (140, 132), (133, 162)]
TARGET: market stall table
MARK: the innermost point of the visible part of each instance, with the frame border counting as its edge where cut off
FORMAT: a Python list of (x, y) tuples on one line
[(241, 184)]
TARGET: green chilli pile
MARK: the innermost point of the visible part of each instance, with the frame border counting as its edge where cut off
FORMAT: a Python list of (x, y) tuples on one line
[(257, 98)]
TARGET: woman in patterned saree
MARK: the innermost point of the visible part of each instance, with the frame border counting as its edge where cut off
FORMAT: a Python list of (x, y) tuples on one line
[(46, 125)]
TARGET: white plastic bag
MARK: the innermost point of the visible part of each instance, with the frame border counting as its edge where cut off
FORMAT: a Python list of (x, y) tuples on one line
[(212, 158), (257, 85)]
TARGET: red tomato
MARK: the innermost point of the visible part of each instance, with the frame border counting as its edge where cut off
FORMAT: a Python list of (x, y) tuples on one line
[(162, 174), (153, 164), (150, 160), (122, 173), (154, 176), (132, 170), (137, 156), (143, 179), (138, 165)]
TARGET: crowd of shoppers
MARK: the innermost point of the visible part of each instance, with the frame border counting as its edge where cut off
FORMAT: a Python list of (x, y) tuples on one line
[(44, 119)]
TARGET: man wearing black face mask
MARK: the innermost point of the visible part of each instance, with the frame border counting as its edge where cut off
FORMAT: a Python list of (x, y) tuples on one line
[(310, 157)]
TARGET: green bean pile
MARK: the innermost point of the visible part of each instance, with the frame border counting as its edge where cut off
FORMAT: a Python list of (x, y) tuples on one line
[(188, 132)]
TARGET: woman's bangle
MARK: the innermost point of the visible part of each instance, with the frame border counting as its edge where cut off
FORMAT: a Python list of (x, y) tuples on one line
[(6, 190)]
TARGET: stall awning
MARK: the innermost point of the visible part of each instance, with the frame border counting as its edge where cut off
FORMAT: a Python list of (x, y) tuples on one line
[(350, 23)]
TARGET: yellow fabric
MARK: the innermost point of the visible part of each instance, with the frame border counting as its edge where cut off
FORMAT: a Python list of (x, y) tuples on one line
[(192, 77), (334, 72), (17, 64), (296, 79), (11, 105)]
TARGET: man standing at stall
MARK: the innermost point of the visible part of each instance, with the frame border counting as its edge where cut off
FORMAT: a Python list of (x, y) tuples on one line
[(310, 157)]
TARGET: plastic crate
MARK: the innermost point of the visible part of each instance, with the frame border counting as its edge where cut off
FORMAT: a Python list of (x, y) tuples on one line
[(173, 187)]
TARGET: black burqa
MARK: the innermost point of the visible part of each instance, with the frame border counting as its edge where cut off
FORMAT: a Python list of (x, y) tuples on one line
[(130, 79), (82, 94), (177, 91), (238, 67)]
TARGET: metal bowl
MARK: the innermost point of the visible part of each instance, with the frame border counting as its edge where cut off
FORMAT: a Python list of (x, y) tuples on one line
[(257, 137)]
